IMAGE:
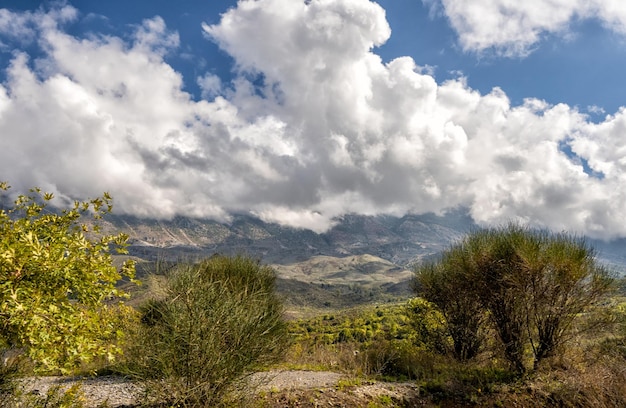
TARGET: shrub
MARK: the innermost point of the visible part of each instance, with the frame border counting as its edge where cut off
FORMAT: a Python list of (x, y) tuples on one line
[(216, 321), (397, 359), (532, 285), (428, 324), (58, 282), (463, 313)]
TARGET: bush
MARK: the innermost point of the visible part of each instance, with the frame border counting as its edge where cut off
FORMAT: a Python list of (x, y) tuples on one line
[(429, 326), (397, 359), (531, 284), (58, 282), (215, 322), (463, 313)]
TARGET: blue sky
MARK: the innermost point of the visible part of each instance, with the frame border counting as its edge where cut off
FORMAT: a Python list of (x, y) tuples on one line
[(302, 112), (583, 67), (583, 70)]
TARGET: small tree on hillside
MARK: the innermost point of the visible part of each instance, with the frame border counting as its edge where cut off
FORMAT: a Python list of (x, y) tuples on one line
[(532, 285), (57, 281)]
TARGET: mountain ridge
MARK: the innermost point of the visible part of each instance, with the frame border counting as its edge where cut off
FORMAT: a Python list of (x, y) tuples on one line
[(400, 240)]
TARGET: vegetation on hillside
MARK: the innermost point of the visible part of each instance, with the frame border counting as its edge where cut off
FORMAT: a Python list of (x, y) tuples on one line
[(386, 340), (394, 343), (503, 318)]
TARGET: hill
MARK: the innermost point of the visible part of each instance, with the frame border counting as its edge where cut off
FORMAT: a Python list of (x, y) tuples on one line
[(361, 259)]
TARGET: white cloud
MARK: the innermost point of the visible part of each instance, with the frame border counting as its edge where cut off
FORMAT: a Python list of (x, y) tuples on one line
[(211, 85), (24, 27), (513, 28), (596, 110), (314, 126), (153, 36)]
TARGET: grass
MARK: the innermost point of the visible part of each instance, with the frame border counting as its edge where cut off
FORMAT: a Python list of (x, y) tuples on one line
[(379, 343)]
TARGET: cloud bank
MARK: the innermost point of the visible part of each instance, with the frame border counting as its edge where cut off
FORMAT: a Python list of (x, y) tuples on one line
[(513, 28), (314, 126)]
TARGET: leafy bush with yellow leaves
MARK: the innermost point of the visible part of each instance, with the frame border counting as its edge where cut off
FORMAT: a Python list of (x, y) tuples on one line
[(58, 282)]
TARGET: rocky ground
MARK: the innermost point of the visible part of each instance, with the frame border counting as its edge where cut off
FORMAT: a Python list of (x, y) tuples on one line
[(273, 389)]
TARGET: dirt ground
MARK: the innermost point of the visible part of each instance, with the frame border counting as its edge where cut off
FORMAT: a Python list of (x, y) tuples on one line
[(274, 389)]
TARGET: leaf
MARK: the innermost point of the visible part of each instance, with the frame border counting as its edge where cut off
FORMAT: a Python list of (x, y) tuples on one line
[(54, 280)]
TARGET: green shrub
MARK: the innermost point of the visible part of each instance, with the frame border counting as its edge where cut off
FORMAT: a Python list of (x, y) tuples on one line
[(215, 322), (531, 284), (429, 326), (58, 282)]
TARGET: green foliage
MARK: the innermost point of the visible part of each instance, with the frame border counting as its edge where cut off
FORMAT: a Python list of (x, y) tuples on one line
[(390, 341), (215, 322), (463, 314), (57, 282), (364, 325), (530, 284), (591, 374), (429, 325)]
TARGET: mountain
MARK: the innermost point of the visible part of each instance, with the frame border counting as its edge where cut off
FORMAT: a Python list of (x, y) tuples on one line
[(612, 254), (362, 259), (326, 281), (365, 270), (400, 240)]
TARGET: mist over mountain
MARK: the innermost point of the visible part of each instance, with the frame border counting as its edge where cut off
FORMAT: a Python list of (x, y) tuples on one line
[(403, 241), (400, 240)]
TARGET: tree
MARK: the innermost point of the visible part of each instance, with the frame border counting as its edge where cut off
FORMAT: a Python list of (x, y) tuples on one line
[(57, 281), (531, 284), (213, 323)]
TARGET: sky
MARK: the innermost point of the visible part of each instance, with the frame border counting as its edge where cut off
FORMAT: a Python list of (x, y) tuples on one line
[(299, 112)]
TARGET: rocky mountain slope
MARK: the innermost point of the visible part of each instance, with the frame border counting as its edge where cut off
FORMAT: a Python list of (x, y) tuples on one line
[(362, 259), (401, 241)]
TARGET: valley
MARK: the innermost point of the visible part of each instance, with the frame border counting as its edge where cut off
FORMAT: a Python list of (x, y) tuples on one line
[(361, 260)]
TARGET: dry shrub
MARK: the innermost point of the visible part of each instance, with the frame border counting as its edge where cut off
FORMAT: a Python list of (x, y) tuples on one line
[(591, 376), (344, 357), (398, 359)]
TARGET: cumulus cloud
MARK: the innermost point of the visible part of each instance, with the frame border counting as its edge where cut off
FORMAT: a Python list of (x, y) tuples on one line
[(514, 28), (314, 126)]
